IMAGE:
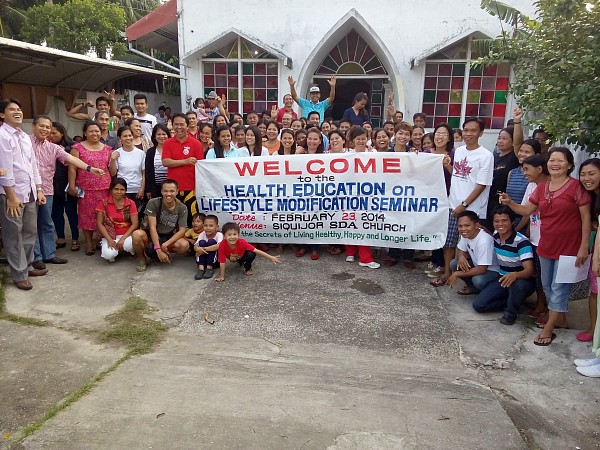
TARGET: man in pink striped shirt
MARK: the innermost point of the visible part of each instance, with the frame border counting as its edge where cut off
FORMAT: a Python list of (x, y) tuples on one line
[(47, 154)]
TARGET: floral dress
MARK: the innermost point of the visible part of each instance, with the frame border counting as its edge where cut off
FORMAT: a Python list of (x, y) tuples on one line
[(94, 188)]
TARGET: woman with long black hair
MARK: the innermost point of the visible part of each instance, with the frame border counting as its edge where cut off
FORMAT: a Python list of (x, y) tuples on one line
[(358, 114), (223, 147), (63, 203)]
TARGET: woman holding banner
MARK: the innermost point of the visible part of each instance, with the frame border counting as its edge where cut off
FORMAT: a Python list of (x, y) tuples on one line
[(223, 147), (443, 144), (359, 136)]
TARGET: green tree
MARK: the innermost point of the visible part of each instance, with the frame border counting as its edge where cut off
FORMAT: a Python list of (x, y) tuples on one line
[(136, 9), (78, 26), (556, 63), (11, 19)]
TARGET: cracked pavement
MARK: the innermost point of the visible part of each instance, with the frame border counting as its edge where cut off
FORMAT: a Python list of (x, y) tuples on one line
[(308, 354)]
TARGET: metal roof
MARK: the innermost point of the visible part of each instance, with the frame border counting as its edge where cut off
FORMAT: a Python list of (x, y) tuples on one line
[(24, 63), (157, 29)]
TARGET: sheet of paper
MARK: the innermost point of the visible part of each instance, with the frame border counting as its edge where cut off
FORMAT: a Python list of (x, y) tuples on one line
[(568, 273)]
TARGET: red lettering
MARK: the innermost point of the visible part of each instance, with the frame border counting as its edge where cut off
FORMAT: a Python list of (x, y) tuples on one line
[(289, 171), (271, 168), (359, 166), (344, 167), (252, 226), (312, 171), (391, 165), (246, 167), (248, 217)]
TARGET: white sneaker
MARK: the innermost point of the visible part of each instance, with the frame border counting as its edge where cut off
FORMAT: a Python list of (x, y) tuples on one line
[(430, 267), (590, 371), (349, 258), (587, 362), (433, 273), (371, 265)]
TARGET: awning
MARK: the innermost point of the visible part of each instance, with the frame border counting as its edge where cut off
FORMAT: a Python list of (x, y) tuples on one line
[(157, 30), (24, 63)]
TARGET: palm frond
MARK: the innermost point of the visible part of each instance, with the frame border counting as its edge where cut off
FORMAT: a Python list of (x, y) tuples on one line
[(505, 12)]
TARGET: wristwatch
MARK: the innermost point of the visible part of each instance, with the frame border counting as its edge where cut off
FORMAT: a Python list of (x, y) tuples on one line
[(464, 203), (88, 168)]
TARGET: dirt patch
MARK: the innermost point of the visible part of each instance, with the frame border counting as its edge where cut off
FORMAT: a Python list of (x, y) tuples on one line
[(343, 276), (367, 287)]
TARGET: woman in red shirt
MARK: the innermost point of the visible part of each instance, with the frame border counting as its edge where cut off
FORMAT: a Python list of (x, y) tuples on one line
[(116, 219), (564, 207)]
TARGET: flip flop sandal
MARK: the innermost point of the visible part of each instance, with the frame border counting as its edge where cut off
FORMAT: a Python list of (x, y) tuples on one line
[(141, 267), (544, 344), (438, 282), (75, 247), (541, 324), (584, 336)]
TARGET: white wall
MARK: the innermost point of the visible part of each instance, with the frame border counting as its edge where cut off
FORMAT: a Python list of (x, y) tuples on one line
[(406, 29)]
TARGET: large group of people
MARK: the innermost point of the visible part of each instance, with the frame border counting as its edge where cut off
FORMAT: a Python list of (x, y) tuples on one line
[(129, 185)]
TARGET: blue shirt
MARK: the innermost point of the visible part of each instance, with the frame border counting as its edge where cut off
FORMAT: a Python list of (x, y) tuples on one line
[(232, 153), (308, 107), (354, 118)]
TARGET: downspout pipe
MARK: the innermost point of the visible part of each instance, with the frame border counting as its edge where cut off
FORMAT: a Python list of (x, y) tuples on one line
[(152, 58)]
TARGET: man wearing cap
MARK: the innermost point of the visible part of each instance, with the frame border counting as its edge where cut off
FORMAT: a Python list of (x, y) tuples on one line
[(215, 106), (315, 95)]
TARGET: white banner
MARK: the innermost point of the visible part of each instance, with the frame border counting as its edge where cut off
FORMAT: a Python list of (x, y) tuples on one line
[(373, 199)]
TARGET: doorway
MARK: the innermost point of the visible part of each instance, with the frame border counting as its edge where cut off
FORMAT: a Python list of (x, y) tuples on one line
[(346, 89)]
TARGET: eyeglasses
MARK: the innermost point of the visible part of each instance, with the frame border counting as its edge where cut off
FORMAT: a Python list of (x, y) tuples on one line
[(441, 134)]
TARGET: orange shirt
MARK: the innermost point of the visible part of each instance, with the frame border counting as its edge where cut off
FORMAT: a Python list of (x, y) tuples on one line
[(272, 148)]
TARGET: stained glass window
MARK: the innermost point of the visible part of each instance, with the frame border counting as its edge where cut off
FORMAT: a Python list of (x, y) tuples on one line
[(486, 93), (351, 56), (248, 76)]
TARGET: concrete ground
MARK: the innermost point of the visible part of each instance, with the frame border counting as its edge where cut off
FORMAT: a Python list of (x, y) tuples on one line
[(311, 355)]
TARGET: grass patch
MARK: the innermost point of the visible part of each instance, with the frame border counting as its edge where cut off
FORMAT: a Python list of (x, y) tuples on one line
[(130, 327), (5, 315), (79, 393)]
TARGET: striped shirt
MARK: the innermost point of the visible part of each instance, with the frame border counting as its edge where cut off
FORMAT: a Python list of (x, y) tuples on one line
[(512, 252), (517, 183)]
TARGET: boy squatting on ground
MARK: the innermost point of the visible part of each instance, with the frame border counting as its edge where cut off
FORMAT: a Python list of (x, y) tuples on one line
[(191, 235), (206, 247), (236, 249)]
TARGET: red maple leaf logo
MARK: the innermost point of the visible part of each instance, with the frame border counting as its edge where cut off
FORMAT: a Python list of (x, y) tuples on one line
[(461, 168)]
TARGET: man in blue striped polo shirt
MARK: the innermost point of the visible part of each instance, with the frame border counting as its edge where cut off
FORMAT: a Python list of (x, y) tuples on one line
[(517, 271)]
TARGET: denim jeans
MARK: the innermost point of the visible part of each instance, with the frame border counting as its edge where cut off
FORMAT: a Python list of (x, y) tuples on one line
[(557, 294), (61, 204), (478, 282), (45, 244), (494, 297), (406, 253), (247, 259), (210, 258)]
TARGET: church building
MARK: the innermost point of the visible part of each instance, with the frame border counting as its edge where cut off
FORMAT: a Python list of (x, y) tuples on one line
[(415, 52)]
